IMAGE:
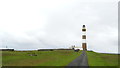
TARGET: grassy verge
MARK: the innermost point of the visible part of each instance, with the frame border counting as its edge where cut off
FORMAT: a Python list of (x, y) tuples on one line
[(43, 58), (99, 59)]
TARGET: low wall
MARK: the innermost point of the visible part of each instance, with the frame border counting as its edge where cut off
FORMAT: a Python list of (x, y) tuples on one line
[(6, 49), (52, 49)]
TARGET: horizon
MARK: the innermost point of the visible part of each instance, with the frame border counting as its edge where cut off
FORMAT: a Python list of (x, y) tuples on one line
[(55, 48)]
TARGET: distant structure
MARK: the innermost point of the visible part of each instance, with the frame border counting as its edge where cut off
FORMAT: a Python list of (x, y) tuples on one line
[(6, 49), (52, 49), (84, 44), (73, 47), (77, 49)]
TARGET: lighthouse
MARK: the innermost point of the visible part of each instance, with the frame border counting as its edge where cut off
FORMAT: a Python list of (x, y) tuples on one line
[(84, 44)]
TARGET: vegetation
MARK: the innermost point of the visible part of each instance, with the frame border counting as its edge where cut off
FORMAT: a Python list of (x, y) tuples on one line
[(43, 58), (55, 58), (100, 59)]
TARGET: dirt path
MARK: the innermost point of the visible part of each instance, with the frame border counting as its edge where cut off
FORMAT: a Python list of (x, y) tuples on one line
[(79, 62)]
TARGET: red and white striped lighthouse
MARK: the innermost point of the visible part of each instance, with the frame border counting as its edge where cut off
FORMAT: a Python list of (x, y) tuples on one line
[(84, 44)]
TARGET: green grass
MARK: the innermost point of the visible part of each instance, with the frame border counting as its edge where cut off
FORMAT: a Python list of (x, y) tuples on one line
[(99, 59), (43, 58), (0, 58)]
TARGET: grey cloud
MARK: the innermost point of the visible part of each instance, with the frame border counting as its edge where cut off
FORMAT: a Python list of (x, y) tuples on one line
[(64, 24)]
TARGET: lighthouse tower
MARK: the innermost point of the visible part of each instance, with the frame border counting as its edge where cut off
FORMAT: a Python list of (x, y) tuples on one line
[(84, 44)]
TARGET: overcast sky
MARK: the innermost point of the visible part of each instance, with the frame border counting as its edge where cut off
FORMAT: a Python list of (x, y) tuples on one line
[(33, 24)]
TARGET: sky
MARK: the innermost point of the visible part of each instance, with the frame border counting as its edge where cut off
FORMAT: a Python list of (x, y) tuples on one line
[(34, 24)]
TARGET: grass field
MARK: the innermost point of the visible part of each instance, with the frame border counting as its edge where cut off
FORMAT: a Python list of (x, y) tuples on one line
[(43, 58), (99, 59), (55, 58)]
